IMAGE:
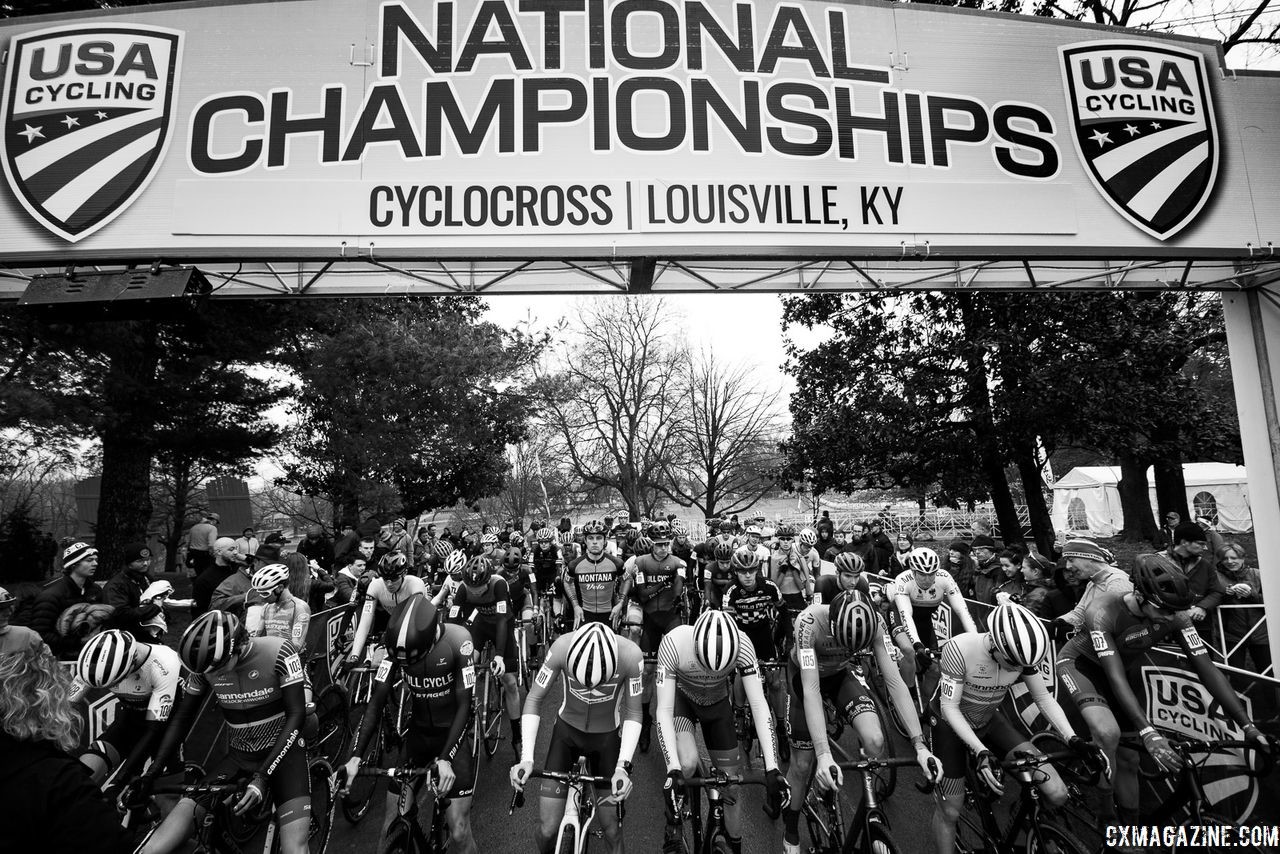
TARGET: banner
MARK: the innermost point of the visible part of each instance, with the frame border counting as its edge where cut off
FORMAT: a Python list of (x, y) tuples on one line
[(327, 128)]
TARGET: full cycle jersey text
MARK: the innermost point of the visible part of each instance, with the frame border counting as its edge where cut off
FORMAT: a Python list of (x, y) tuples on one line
[(659, 77)]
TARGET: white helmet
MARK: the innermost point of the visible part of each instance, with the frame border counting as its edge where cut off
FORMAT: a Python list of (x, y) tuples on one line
[(593, 655), (455, 563), (1018, 634), (716, 641), (808, 537), (106, 658), (270, 577), (922, 560), (754, 529), (489, 540)]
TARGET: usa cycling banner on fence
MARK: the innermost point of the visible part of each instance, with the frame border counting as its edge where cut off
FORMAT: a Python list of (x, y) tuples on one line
[(305, 128)]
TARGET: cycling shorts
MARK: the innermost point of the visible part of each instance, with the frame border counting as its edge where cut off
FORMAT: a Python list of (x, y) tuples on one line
[(605, 617), (425, 745), (1088, 685), (567, 744), (289, 784), (716, 721), (998, 735), (654, 627), (117, 742), (847, 692), (922, 616), (761, 635), (483, 632)]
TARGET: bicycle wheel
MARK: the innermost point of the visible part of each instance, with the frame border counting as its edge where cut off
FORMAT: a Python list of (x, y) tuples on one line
[(359, 796), (331, 711), (885, 780), (970, 838), (568, 840), (746, 729), (879, 840), (357, 701), (493, 714), (1050, 838), (824, 827), (320, 772), (399, 840)]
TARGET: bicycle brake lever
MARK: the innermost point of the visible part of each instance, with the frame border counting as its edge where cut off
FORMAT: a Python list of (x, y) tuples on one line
[(517, 801)]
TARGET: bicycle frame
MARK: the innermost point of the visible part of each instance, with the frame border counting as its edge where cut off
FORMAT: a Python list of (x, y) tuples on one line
[(406, 820), (869, 812), (706, 836), (579, 807), (1189, 792), (1027, 813)]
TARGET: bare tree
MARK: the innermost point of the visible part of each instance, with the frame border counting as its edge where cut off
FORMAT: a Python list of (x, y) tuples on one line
[(612, 398), (727, 434)]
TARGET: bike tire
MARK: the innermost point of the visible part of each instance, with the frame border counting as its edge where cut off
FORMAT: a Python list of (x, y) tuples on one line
[(1050, 838), (568, 841), (885, 780), (493, 714), (824, 829), (320, 772), (746, 732), (360, 791), (970, 838), (399, 840), (879, 840), (333, 734)]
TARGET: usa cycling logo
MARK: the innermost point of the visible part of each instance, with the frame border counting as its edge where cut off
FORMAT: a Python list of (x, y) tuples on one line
[(87, 117), (1143, 124)]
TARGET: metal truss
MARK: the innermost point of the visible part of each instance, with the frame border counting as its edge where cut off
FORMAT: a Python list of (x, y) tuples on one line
[(368, 277)]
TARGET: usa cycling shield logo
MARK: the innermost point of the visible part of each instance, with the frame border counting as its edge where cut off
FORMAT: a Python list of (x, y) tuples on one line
[(1143, 124), (87, 117)]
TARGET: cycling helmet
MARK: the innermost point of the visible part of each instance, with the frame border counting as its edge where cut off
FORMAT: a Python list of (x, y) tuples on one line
[(512, 561), (679, 529), (478, 570), (106, 658), (643, 545), (6, 598), (632, 534), (754, 530), (716, 641), (723, 551), (444, 548), (1018, 634), (271, 576), (516, 539), (393, 565), (489, 540), (593, 655), (566, 537), (546, 535), (922, 560), (660, 532), (785, 532), (853, 620), (412, 630), (211, 641), (808, 538), (593, 528), (745, 560), (455, 563), (849, 562), (1162, 582)]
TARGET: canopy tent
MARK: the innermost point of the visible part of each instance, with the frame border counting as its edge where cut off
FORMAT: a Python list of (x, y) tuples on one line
[(1087, 500)]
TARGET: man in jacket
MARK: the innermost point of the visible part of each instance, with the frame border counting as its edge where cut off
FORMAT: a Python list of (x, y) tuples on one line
[(987, 576), (124, 591), (1089, 564), (226, 559), (79, 563), (1191, 552), (316, 547)]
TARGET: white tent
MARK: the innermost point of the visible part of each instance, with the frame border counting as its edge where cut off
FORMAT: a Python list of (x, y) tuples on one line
[(1086, 500)]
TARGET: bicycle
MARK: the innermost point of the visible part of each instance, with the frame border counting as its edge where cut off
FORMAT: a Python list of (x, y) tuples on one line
[(405, 835), (744, 721), (711, 837), (982, 833), (579, 808), (525, 668), (333, 715), (487, 715), (358, 798), (886, 775), (869, 830)]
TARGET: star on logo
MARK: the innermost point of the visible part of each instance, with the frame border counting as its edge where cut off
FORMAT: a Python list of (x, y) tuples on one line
[(1155, 126), (100, 114), (70, 122), (1101, 138), (1131, 130), (31, 133)]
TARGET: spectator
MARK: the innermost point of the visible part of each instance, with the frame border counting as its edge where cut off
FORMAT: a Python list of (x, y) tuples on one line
[(124, 591), (316, 547), (825, 528), (1191, 552), (347, 540), (226, 558), (898, 560), (1046, 593), (1216, 542), (1171, 521), (348, 578), (399, 538), (235, 593), (986, 575), (864, 547), (14, 638), (48, 801), (883, 545), (247, 543), (201, 543), (1089, 565), (1245, 627), (982, 528), (79, 563), (308, 582), (961, 565), (1012, 586)]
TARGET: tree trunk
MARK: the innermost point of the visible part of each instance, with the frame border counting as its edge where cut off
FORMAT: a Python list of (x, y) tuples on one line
[(1033, 494), (181, 492), (1135, 501), (124, 508), (1171, 487)]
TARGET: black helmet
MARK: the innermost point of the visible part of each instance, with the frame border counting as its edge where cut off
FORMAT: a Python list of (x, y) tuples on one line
[(412, 630), (393, 565), (1162, 582)]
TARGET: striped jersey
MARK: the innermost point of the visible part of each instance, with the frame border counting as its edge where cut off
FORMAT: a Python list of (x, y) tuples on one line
[(677, 660), (251, 693)]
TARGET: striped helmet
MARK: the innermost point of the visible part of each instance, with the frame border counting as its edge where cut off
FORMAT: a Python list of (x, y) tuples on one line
[(412, 630), (593, 527), (853, 620), (716, 641), (679, 529), (489, 540), (1018, 634), (271, 576), (106, 658), (922, 560), (444, 548), (850, 562), (643, 546), (593, 655), (210, 641), (455, 563)]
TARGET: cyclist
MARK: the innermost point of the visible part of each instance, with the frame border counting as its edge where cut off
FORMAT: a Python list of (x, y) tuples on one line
[(827, 639), (520, 580), (654, 581), (591, 581), (257, 682), (435, 660), (146, 679), (977, 672), (483, 605), (849, 575), (695, 664), (389, 589), (917, 594), (754, 540), (601, 682), (1120, 628), (717, 575), (753, 602), (546, 565), (446, 582), (795, 572), (277, 612), (683, 549)]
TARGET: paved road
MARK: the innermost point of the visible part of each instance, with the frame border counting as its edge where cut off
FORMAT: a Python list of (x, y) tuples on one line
[(495, 831)]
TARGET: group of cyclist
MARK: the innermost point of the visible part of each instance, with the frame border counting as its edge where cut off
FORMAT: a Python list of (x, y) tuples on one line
[(653, 628)]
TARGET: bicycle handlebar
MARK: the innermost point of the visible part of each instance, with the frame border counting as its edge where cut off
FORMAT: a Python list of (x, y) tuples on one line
[(873, 764), (570, 777)]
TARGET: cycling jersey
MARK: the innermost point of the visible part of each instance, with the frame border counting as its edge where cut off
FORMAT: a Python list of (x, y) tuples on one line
[(592, 585), (251, 693), (439, 685), (910, 596), (716, 577), (828, 588), (151, 689), (973, 685), (545, 559), (653, 582), (287, 619), (486, 613), (677, 661), (378, 596), (794, 571), (591, 710), (517, 590), (753, 607)]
